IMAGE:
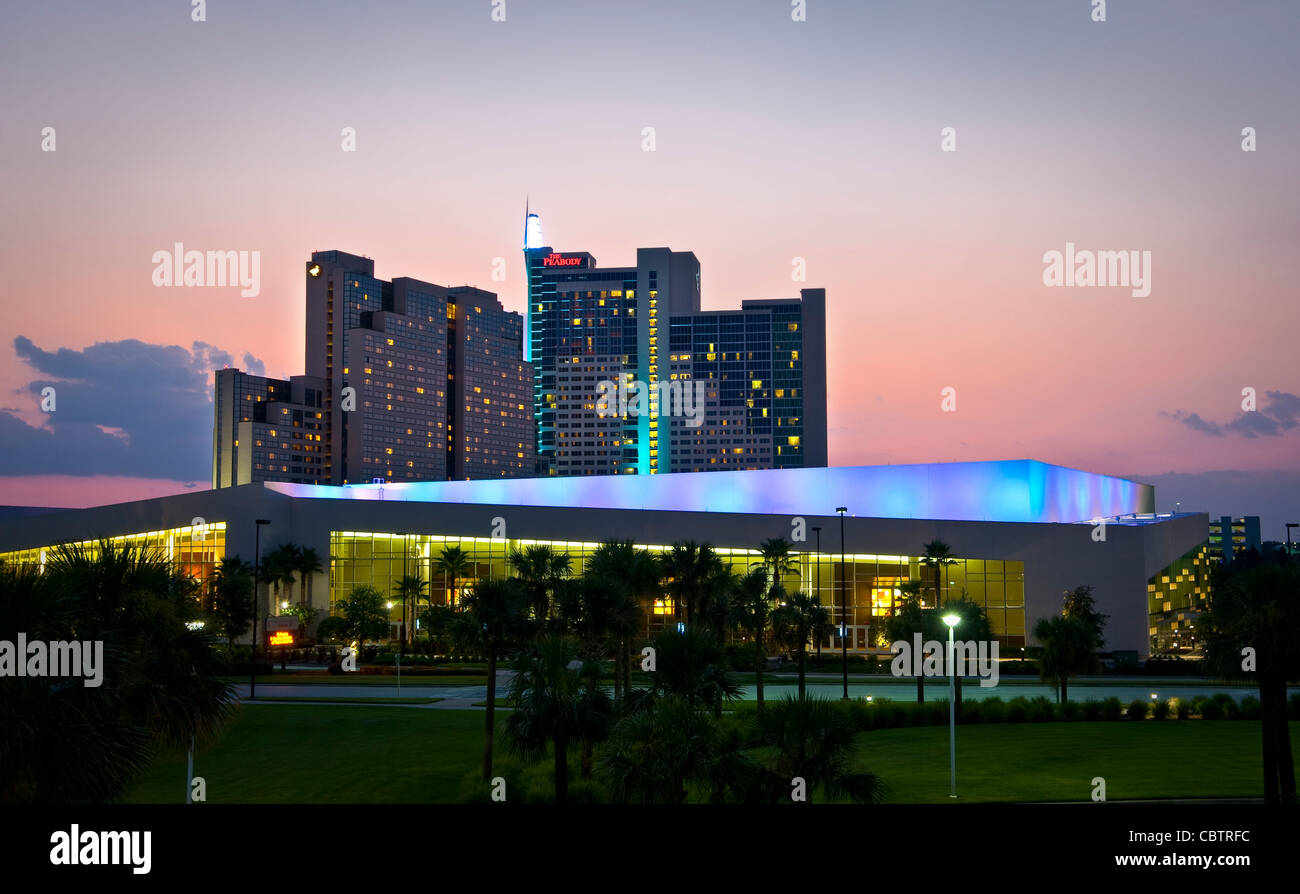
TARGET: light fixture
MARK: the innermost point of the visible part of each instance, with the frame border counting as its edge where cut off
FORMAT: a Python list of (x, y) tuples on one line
[(952, 620), (314, 270)]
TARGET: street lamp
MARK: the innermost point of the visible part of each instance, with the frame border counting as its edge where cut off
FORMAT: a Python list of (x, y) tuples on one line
[(844, 607), (818, 587), (257, 561), (952, 620), (1289, 526)]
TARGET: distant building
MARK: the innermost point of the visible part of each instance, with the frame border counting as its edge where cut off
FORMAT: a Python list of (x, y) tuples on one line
[(267, 429), (1229, 536), (408, 380)]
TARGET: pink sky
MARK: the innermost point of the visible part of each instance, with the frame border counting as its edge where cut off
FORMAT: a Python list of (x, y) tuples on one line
[(775, 140)]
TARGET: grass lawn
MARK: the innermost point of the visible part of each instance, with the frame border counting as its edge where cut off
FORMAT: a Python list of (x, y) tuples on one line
[(350, 754), (358, 679), (327, 754), (1058, 761)]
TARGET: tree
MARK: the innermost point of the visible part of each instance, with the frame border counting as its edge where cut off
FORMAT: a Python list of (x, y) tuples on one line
[(654, 753), (278, 568), (812, 739), (1068, 645), (974, 627), (308, 564), (793, 623), (1078, 603), (690, 569), (541, 569), (65, 742), (938, 556), (690, 664), (909, 620), (1254, 604), (454, 564), (634, 575), (411, 588), (305, 613), (491, 619), (752, 605), (556, 703), (775, 552), (232, 597), (366, 614)]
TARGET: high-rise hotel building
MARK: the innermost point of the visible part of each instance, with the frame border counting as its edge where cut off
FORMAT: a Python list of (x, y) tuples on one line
[(412, 381), (763, 368)]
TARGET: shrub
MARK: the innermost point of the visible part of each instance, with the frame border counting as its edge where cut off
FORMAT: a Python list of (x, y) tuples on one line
[(1160, 710), (993, 710), (1041, 709), (1112, 708), (1137, 709), (1071, 711), (1209, 709), (1228, 704), (1182, 707), (1092, 709), (1018, 710), (1249, 708)]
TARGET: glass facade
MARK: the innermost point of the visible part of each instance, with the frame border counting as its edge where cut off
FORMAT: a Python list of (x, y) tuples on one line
[(872, 588), (196, 550), (1176, 597)]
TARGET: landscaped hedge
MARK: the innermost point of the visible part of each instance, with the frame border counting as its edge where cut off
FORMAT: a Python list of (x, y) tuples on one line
[(888, 714)]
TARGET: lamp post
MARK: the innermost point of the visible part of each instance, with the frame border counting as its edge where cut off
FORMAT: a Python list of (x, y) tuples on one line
[(1289, 526), (818, 587), (844, 608), (952, 620), (257, 562)]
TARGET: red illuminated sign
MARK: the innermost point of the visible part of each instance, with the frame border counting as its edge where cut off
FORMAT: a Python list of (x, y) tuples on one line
[(282, 638), (554, 260)]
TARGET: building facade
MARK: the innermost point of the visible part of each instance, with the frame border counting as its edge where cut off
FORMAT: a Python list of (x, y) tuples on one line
[(641, 327), (407, 381), (1021, 533), (267, 429)]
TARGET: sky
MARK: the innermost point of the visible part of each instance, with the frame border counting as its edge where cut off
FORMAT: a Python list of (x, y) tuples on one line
[(776, 143)]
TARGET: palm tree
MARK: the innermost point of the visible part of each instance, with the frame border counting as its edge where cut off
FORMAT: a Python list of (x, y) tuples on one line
[(1067, 650), (793, 623), (691, 665), (410, 587), (307, 566), (752, 607), (777, 559), (634, 575), (689, 569), (556, 704), (454, 564), (938, 556), (540, 568), (812, 738), (278, 568), (491, 620)]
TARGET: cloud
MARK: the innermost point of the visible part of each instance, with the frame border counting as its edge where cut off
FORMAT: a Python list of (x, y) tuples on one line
[(1280, 413), (122, 408)]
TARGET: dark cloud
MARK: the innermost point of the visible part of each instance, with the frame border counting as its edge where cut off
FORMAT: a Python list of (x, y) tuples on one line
[(122, 408), (1280, 413)]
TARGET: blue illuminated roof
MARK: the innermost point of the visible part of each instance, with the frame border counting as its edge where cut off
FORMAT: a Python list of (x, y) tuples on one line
[(1006, 491)]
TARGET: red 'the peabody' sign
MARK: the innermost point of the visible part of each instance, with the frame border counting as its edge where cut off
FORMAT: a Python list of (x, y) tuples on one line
[(561, 261)]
